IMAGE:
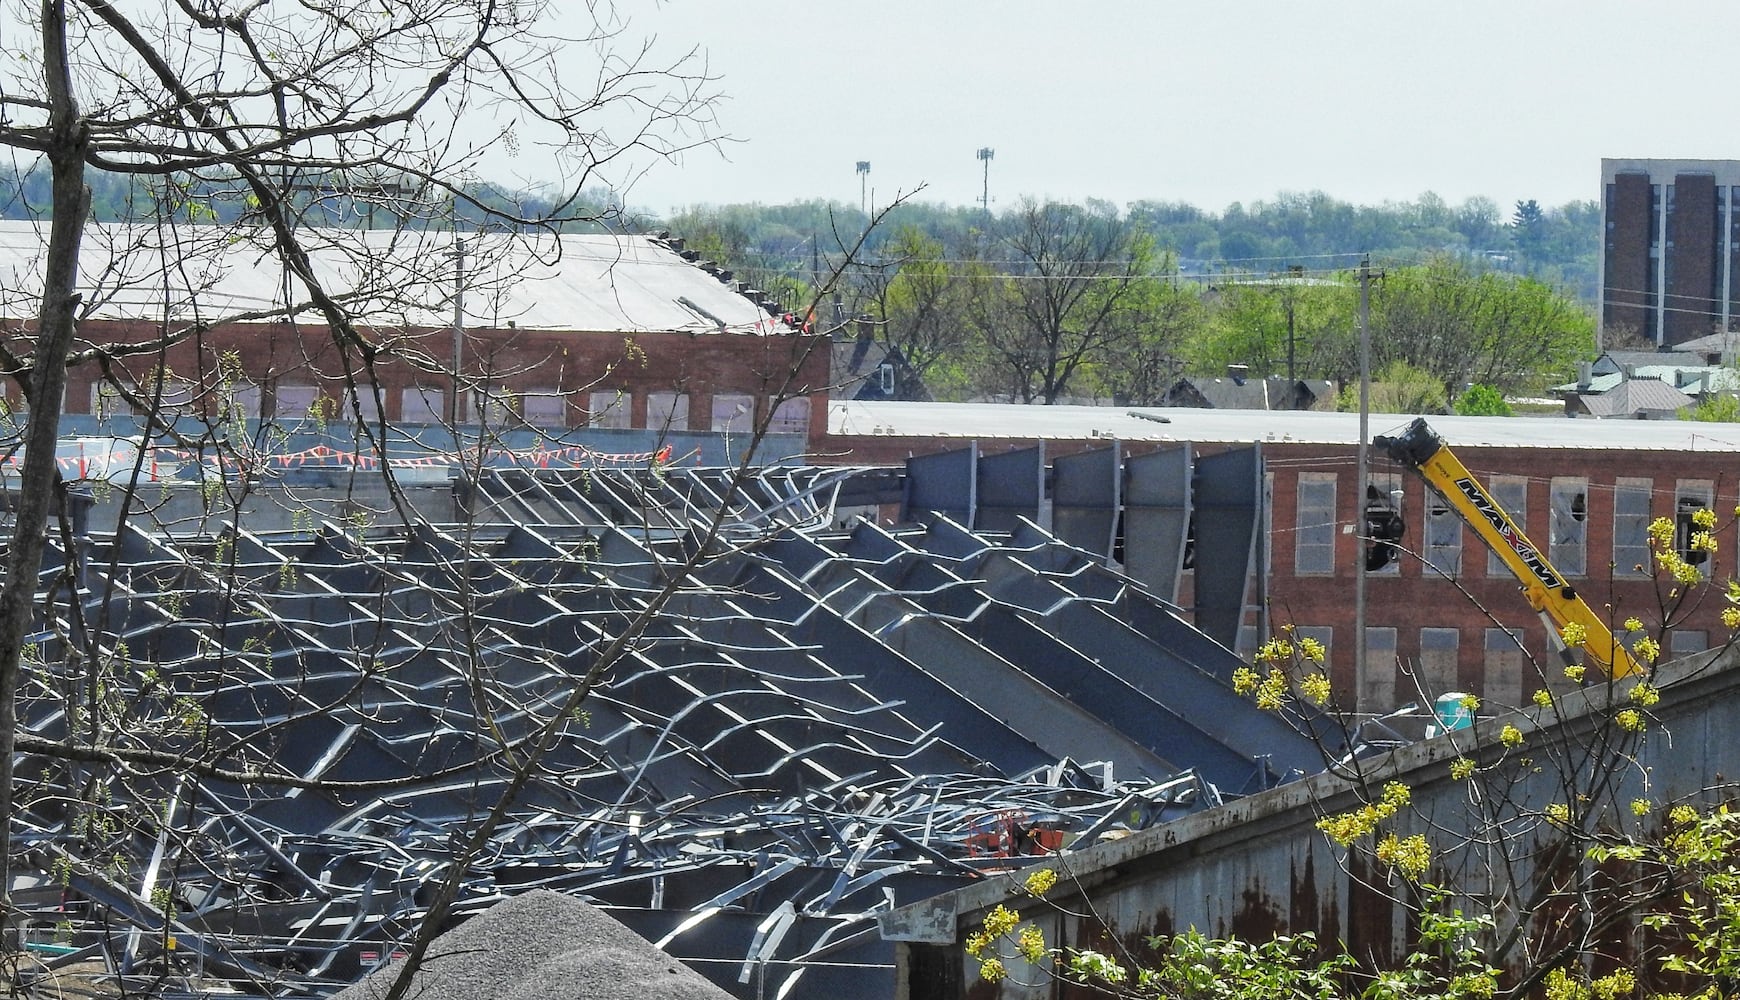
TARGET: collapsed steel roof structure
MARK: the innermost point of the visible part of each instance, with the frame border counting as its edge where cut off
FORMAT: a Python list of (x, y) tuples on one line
[(812, 726)]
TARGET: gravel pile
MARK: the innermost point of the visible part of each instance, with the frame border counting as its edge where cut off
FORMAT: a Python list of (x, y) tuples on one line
[(543, 946)]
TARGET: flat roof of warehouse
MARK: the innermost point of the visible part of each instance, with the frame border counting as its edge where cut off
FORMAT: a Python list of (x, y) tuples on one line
[(1166, 423)]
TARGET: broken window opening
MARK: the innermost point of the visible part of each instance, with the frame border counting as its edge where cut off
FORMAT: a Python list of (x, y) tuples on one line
[(1384, 526)]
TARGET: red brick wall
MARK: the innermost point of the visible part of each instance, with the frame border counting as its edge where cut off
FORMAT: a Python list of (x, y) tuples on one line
[(519, 360), (1417, 597)]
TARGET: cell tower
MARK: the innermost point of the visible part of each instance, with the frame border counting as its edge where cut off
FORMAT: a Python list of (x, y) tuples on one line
[(985, 155)]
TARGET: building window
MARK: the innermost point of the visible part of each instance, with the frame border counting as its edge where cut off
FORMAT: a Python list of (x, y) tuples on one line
[(295, 402), (1438, 649), (1686, 641), (1631, 526), (368, 405), (1690, 497), (423, 404), (1443, 537), (20, 405), (1377, 689), (1505, 662), (495, 405), (609, 408), (544, 409), (733, 412), (107, 401), (1314, 524), (1324, 634), (1733, 257), (667, 411), (1567, 546), (1512, 494), (238, 401), (791, 417), (1652, 284), (1384, 527)]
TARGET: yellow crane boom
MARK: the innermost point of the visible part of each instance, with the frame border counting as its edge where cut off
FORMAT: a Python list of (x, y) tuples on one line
[(1546, 589)]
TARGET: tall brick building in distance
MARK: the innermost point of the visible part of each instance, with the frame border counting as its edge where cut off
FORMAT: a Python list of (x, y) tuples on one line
[(1670, 249)]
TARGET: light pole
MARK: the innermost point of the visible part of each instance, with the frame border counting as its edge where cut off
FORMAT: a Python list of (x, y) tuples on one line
[(457, 412), (864, 186), (985, 155)]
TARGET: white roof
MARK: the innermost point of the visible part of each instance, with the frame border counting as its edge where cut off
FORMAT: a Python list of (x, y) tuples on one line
[(602, 283), (1205, 426)]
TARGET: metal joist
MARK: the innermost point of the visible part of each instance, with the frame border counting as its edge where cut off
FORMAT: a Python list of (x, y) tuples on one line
[(1086, 500)]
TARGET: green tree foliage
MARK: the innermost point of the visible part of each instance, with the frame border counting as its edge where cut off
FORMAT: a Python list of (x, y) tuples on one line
[(917, 296), (1482, 401), (1479, 224), (1052, 300), (1286, 324), (1465, 323), (1720, 409), (1557, 245), (1528, 228), (1065, 285), (1397, 388), (1139, 369)]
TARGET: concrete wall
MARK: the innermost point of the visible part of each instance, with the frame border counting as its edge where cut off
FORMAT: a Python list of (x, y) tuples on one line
[(1258, 866)]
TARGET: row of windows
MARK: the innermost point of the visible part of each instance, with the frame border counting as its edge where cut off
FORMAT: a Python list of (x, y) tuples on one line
[(1507, 674), (548, 409), (1440, 530)]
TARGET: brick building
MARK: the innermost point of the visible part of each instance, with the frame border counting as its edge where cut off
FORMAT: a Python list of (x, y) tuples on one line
[(555, 332), (1445, 616), (1670, 249)]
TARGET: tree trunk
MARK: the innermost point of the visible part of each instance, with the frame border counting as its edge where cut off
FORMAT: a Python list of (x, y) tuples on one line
[(39, 479)]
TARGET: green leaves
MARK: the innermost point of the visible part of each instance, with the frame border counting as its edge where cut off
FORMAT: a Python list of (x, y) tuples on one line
[(1482, 401)]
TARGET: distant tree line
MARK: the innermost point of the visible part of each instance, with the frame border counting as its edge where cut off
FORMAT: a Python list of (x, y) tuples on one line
[(1043, 302), (1557, 246)]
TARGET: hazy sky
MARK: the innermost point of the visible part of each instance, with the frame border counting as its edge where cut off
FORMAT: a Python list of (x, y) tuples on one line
[(1208, 102)]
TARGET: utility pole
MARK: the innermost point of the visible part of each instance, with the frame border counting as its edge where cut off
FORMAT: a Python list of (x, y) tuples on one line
[(1360, 666), (458, 409), (985, 155), (1295, 274)]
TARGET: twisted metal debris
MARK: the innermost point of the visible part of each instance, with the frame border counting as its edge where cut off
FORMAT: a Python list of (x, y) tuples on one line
[(249, 756)]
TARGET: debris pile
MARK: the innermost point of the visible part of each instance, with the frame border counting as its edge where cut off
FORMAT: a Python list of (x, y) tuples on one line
[(542, 945)]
